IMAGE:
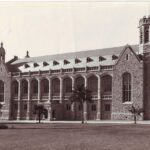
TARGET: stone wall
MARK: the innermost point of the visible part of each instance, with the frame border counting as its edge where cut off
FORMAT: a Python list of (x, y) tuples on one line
[(7, 92), (147, 86), (135, 67)]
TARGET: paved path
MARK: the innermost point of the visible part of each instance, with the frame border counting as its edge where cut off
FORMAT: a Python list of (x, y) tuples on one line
[(74, 122)]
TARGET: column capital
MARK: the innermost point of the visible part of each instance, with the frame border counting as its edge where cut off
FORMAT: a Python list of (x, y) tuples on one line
[(39, 79)]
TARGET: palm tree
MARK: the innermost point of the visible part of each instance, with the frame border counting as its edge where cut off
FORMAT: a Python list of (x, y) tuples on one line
[(39, 110), (136, 111), (81, 95)]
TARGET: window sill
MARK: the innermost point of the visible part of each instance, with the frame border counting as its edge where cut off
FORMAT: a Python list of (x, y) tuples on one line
[(128, 103)]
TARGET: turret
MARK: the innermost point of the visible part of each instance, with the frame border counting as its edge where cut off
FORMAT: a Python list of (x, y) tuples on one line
[(2, 53), (144, 41)]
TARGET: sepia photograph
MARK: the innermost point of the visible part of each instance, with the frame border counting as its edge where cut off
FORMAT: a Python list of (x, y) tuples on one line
[(75, 75)]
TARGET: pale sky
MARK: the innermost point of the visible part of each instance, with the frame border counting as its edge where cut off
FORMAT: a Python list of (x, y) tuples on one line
[(45, 28)]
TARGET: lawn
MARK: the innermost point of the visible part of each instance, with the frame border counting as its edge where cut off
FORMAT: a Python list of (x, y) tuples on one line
[(75, 137)]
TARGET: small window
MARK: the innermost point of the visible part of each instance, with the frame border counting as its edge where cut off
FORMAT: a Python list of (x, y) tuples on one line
[(68, 107), (114, 57), (89, 59), (45, 63), (101, 58), (66, 62), (93, 107), (26, 66), (107, 107), (35, 65), (77, 61), (127, 57), (55, 63)]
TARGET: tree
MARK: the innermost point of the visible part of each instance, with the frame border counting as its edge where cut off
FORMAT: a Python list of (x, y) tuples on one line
[(81, 95), (39, 110), (136, 111)]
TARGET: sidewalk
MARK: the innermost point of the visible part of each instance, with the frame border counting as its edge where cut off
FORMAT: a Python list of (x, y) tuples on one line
[(74, 122)]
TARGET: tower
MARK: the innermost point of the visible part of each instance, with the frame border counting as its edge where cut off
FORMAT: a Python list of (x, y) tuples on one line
[(144, 38), (2, 53), (144, 50)]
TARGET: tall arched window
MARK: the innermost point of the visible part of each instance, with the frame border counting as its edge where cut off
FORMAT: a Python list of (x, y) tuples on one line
[(126, 87), (34, 85), (106, 84), (55, 86), (1, 91), (67, 85), (24, 87), (15, 88), (79, 81), (45, 86), (93, 84)]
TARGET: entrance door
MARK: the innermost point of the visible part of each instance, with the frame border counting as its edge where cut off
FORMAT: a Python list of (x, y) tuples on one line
[(106, 110), (54, 114), (45, 113)]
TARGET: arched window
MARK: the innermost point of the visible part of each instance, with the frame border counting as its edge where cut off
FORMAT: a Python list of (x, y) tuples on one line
[(79, 81), (67, 85), (55, 86), (24, 87), (34, 85), (1, 91), (15, 88), (126, 87), (45, 86), (106, 84), (93, 84)]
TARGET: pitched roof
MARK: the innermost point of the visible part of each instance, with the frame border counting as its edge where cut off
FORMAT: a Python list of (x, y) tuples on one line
[(81, 54), (107, 53)]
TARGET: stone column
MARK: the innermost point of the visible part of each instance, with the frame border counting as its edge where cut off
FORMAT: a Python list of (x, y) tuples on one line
[(19, 101), (61, 90), (50, 101), (99, 99), (39, 90), (49, 111), (29, 100), (73, 104), (85, 103), (50, 94)]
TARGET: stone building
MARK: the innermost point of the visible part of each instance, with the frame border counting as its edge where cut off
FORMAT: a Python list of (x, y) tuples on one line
[(118, 78)]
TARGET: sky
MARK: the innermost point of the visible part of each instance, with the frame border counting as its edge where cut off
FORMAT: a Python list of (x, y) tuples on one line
[(45, 28)]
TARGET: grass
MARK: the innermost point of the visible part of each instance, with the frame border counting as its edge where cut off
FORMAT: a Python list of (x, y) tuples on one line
[(75, 137)]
